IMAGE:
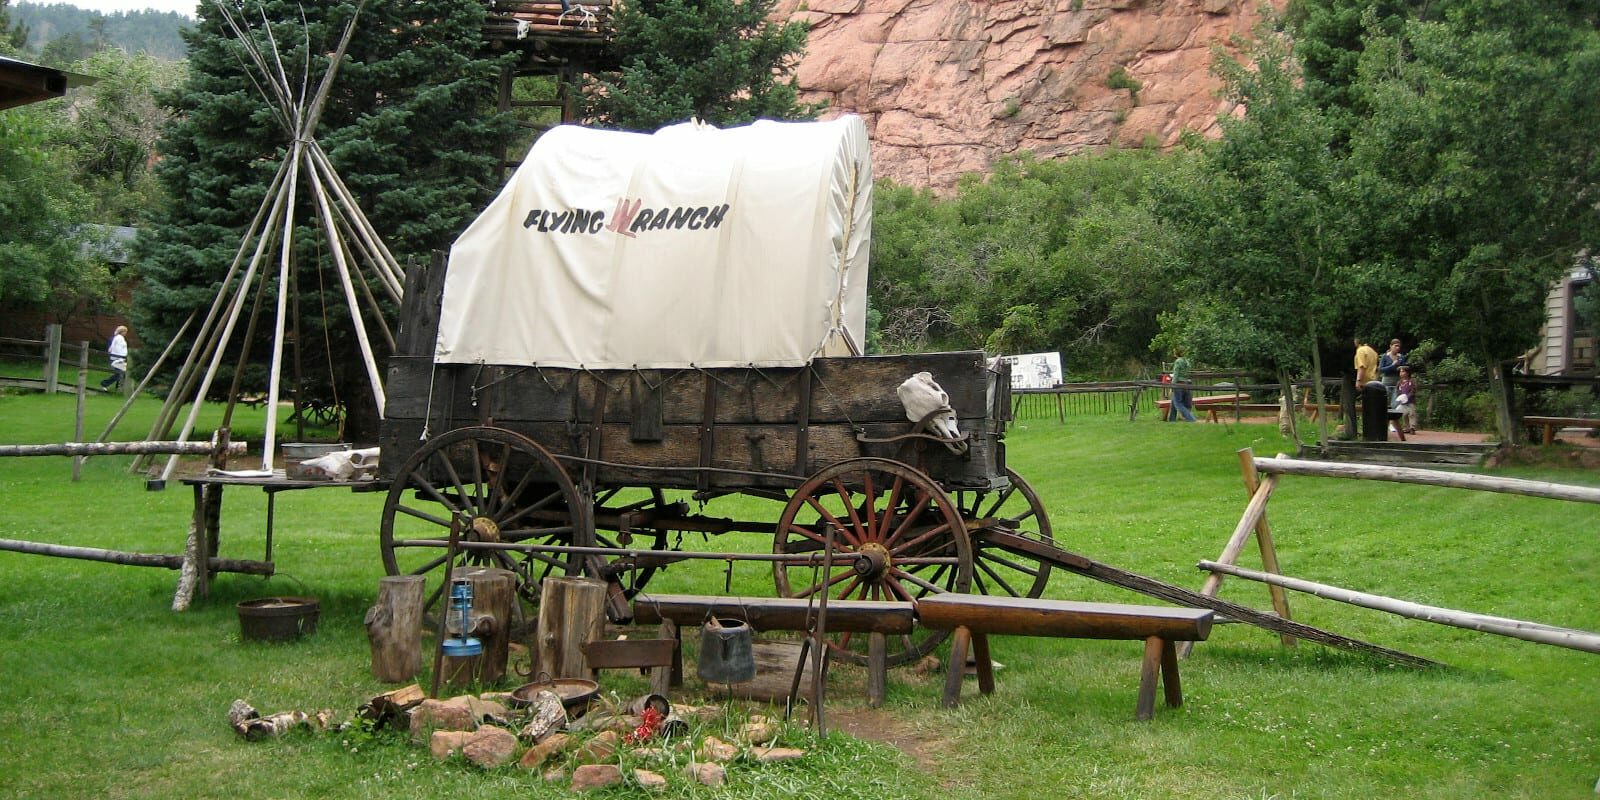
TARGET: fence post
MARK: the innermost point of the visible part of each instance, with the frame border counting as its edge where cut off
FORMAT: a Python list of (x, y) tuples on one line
[(52, 357), (83, 389)]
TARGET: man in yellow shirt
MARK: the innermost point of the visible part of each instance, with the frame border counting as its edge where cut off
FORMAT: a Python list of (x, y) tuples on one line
[(1366, 363)]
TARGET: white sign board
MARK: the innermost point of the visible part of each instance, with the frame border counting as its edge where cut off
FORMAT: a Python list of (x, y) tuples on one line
[(1035, 370)]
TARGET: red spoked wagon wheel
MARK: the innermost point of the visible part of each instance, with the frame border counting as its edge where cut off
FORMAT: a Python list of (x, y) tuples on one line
[(896, 536), (991, 515), (498, 486)]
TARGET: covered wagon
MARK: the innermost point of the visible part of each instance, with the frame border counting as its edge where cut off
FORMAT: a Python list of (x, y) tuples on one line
[(640, 321)]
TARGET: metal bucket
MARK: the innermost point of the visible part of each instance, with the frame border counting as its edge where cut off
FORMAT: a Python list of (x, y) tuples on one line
[(278, 619), (727, 652)]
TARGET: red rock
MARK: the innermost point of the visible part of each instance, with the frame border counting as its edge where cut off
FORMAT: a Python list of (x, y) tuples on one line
[(706, 773), (441, 715), (650, 781), (490, 747), (542, 752), (600, 748), (595, 776), (946, 86), (443, 744)]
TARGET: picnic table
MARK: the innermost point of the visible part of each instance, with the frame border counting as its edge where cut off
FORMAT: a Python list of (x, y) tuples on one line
[(1548, 425)]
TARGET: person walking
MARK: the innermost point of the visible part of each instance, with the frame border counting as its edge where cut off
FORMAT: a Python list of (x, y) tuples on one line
[(1182, 393), (117, 350), (1389, 365)]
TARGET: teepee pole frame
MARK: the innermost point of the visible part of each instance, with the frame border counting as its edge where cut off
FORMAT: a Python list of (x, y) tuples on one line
[(353, 240)]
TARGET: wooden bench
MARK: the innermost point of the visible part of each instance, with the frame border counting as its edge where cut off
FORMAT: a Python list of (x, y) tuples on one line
[(1208, 402), (1550, 425), (876, 619), (974, 617), (1212, 411)]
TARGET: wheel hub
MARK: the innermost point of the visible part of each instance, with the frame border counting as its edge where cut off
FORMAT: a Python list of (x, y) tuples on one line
[(872, 560), (485, 529)]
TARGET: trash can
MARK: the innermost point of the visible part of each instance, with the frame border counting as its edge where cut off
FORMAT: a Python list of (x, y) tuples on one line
[(1374, 413)]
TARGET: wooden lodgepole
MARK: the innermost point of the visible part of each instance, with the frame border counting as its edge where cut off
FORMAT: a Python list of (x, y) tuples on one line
[(132, 559), (1502, 626), (1269, 550), (206, 338), (1429, 477), (116, 448), (1254, 512)]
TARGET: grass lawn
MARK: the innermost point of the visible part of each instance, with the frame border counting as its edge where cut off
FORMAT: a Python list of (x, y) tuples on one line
[(104, 692)]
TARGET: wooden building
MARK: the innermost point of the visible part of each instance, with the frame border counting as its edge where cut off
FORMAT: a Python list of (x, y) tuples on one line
[(562, 39), (1567, 340)]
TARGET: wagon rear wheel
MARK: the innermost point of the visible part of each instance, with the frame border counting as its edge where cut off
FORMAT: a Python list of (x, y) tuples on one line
[(895, 515), (991, 517), (499, 486)]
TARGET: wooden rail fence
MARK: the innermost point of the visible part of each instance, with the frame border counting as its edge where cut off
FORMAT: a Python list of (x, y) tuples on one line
[(1261, 478)]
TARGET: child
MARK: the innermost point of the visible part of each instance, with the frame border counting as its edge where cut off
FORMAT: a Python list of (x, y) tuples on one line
[(1405, 399)]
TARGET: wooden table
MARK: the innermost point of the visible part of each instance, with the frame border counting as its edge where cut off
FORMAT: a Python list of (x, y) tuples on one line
[(205, 525), (1550, 425)]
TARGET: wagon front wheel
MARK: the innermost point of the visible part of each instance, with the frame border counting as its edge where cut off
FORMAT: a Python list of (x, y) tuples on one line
[(495, 486), (895, 535)]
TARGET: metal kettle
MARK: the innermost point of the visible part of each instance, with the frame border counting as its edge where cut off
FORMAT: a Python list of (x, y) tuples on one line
[(727, 651)]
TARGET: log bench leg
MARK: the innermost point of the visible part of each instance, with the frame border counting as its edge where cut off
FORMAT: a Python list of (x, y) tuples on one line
[(957, 668), (1160, 661), (877, 669), (959, 642), (669, 676), (1149, 668), (1169, 674), (980, 655)]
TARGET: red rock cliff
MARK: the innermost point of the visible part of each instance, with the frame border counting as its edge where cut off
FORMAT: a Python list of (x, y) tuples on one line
[(947, 86)]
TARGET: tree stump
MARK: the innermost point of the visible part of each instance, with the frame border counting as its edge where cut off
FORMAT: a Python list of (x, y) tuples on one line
[(394, 626), (493, 593), (571, 612)]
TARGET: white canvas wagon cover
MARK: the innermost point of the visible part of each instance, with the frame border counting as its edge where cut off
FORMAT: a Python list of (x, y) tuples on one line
[(692, 246)]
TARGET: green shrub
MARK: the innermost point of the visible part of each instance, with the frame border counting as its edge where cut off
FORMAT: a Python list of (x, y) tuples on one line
[(1120, 79)]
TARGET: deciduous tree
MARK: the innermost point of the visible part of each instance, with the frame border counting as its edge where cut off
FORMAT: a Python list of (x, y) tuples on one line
[(1479, 165)]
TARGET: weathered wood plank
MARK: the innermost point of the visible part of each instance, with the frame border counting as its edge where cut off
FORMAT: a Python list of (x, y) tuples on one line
[(776, 613), (1023, 616), (419, 312), (741, 455), (850, 390)]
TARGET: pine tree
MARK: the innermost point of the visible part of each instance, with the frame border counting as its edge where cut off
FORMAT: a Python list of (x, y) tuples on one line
[(722, 61), (13, 35), (409, 126)]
